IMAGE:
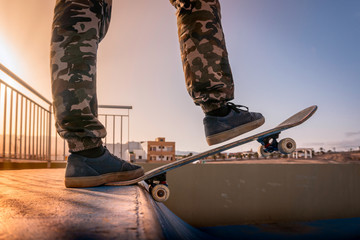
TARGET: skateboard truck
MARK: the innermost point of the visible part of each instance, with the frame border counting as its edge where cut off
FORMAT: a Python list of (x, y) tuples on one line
[(158, 187), (270, 144)]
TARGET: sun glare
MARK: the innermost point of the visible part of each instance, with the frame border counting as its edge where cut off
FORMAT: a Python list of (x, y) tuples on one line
[(10, 60), (8, 55)]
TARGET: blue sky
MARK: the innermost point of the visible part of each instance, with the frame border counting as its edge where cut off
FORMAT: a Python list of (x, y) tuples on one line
[(285, 55), (303, 52)]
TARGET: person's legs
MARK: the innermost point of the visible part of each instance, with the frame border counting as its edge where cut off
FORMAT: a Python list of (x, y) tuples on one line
[(207, 70), (205, 59), (78, 28)]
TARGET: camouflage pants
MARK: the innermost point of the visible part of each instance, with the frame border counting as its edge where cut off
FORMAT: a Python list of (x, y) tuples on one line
[(204, 57), (78, 28)]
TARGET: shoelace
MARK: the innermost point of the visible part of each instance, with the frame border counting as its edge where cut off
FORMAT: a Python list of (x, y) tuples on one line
[(237, 108), (116, 157)]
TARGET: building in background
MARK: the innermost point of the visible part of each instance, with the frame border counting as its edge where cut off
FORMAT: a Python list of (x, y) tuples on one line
[(160, 150), (130, 151), (147, 151)]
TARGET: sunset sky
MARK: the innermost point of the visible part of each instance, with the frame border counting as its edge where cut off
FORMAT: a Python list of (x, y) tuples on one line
[(285, 55)]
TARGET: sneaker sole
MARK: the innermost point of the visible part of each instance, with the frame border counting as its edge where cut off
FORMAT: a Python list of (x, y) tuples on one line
[(234, 132), (93, 181)]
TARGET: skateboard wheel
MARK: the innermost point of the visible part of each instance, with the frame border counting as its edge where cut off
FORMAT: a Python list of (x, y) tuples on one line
[(287, 146), (160, 193), (262, 153)]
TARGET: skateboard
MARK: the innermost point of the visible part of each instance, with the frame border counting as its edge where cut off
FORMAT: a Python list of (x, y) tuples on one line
[(156, 178)]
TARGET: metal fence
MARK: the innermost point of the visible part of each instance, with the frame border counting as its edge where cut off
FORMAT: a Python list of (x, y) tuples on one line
[(115, 124), (26, 124)]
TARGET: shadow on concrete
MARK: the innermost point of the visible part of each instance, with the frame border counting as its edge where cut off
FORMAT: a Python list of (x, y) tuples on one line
[(333, 229)]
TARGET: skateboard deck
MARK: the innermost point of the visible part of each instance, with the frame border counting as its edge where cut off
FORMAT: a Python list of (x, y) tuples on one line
[(156, 178)]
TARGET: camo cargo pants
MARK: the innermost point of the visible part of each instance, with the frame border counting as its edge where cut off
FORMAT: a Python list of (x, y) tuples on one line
[(204, 57), (78, 28)]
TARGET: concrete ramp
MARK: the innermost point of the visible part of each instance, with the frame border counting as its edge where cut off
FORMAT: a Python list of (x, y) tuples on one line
[(174, 228), (35, 205)]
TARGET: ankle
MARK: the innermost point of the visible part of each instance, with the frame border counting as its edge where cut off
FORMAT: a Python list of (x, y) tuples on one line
[(219, 112), (92, 152)]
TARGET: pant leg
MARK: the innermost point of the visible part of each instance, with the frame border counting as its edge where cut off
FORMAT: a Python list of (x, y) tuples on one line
[(205, 59), (78, 27)]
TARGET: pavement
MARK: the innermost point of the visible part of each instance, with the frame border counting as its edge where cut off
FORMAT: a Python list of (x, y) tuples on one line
[(34, 204)]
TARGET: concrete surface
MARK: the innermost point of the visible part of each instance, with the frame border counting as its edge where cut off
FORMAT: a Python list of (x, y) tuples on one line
[(206, 195), (175, 228), (35, 205)]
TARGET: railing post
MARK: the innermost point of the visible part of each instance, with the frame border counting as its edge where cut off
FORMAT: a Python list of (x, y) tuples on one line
[(10, 123), (129, 131), (4, 135), (49, 140)]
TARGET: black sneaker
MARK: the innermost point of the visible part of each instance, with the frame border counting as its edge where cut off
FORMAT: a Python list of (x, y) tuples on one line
[(237, 122), (90, 172)]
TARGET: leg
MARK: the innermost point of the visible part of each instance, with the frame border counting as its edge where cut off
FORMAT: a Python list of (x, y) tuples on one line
[(78, 28), (207, 70), (205, 59)]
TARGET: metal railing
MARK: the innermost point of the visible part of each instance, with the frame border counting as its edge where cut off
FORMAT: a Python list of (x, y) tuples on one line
[(116, 122), (26, 131), (26, 126)]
